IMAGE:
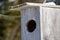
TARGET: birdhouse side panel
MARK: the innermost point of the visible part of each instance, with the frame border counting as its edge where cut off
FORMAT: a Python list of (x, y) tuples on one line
[(50, 23)]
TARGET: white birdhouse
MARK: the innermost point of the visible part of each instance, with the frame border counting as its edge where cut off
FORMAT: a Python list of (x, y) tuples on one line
[(39, 21), (30, 20)]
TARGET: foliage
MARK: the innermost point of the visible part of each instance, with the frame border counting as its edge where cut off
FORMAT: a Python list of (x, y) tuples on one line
[(8, 22), (6, 25), (0, 12), (12, 13), (13, 3), (6, 6)]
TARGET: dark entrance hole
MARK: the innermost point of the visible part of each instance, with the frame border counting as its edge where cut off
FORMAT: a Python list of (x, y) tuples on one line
[(31, 25)]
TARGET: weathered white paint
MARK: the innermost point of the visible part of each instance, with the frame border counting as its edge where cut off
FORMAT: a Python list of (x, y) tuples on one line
[(31, 13), (50, 23), (47, 18)]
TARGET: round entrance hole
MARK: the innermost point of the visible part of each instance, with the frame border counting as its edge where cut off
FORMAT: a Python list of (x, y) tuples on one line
[(31, 25)]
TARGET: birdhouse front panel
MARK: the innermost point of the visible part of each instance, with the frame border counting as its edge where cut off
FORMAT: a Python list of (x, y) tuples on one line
[(30, 23)]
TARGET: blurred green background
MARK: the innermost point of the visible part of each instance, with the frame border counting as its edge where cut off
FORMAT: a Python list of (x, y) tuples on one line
[(10, 28)]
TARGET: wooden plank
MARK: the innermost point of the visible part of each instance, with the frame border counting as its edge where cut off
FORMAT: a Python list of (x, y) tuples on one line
[(31, 13), (50, 23)]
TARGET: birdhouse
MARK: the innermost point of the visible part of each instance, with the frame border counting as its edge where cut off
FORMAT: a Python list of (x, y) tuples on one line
[(30, 20), (39, 21)]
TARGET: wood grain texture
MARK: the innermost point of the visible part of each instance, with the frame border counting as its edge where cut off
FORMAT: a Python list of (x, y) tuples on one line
[(30, 13), (50, 23)]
